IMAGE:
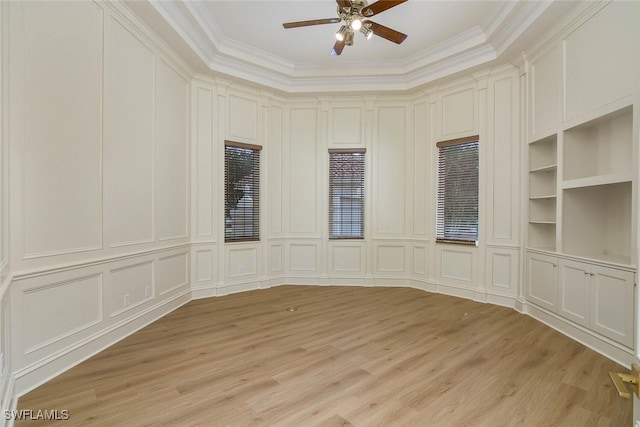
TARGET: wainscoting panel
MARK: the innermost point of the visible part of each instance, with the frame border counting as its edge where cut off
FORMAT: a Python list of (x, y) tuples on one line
[(347, 258), (455, 264), (390, 258), (242, 260), (303, 258), (276, 255), (128, 286), (204, 262), (172, 272), (502, 270), (75, 304), (420, 261)]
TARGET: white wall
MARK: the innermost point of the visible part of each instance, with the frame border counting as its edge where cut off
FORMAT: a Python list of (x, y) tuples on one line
[(99, 139), (399, 134)]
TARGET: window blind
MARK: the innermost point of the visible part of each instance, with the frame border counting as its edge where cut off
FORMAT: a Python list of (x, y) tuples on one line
[(242, 191), (457, 192), (346, 194)]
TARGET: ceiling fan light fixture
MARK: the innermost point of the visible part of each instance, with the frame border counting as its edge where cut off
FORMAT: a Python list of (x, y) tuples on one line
[(349, 39), (356, 24), (367, 31), (342, 32)]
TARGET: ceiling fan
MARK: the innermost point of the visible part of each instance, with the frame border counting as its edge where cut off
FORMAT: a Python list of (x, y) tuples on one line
[(355, 14)]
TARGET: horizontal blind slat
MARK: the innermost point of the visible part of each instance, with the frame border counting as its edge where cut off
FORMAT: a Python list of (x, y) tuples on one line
[(457, 192), (346, 194)]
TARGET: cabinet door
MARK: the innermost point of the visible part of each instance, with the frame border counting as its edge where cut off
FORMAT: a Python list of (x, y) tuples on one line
[(542, 280), (574, 291), (612, 303)]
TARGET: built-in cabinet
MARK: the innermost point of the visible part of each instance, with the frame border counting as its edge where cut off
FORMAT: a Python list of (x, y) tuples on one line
[(580, 259), (590, 294)]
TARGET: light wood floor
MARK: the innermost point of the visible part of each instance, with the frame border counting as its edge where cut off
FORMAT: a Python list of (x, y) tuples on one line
[(347, 356)]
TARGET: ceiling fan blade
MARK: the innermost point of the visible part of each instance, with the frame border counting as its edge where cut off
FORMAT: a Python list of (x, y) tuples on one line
[(311, 22), (343, 4), (386, 32), (337, 48), (380, 6)]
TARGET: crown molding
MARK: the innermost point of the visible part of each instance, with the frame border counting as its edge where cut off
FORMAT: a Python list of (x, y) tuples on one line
[(475, 47)]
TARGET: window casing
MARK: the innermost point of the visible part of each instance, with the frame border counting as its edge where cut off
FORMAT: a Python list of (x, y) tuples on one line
[(457, 191), (346, 194), (241, 191)]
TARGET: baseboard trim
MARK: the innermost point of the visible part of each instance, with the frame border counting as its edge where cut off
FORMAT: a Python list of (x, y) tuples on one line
[(609, 349), (36, 374), (9, 399)]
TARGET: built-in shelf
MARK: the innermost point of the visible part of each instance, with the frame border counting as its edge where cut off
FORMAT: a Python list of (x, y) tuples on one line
[(600, 147), (543, 187), (597, 222), (543, 153), (547, 168), (545, 196), (593, 181)]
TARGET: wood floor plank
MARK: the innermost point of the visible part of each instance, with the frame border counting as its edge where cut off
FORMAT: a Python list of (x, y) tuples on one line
[(348, 356)]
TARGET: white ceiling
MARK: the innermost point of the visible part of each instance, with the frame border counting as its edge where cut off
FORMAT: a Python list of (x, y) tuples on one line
[(245, 39)]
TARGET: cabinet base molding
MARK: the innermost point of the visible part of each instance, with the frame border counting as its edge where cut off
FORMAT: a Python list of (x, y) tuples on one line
[(614, 351)]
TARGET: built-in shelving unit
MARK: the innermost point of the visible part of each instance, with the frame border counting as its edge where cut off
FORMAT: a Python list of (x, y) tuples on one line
[(543, 168), (580, 262), (597, 188)]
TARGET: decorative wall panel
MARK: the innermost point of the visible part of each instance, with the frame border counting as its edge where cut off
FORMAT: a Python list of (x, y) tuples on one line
[(171, 151), (62, 157), (128, 137)]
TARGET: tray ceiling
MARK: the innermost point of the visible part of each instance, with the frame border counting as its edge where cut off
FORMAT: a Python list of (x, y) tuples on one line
[(245, 39)]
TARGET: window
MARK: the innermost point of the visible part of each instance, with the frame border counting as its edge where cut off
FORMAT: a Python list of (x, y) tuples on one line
[(346, 194), (457, 198), (241, 191)]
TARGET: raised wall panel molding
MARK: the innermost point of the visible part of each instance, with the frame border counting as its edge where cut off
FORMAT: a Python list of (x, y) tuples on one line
[(303, 257), (171, 273), (75, 303), (244, 118), (242, 260), (125, 286), (503, 271), (390, 258), (62, 213), (346, 126), (347, 258), (204, 266), (129, 137), (456, 265), (204, 162), (608, 34)]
